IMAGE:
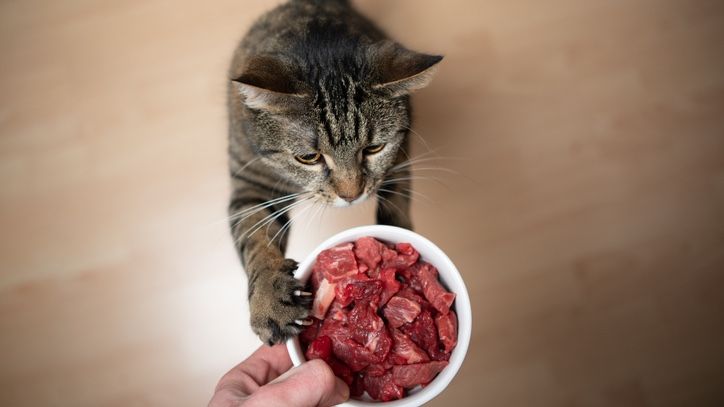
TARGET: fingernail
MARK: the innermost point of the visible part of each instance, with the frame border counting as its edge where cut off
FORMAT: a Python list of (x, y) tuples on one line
[(341, 389)]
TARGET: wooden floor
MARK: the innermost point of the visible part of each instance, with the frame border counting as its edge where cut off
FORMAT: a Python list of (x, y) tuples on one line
[(588, 219)]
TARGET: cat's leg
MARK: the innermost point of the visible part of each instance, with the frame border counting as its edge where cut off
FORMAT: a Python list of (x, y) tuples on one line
[(393, 206), (278, 303)]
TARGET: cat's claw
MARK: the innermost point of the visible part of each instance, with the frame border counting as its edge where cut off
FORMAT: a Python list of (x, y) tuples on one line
[(305, 322), (300, 293)]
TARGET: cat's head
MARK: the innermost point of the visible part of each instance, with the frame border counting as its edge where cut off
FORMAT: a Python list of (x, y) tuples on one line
[(332, 127)]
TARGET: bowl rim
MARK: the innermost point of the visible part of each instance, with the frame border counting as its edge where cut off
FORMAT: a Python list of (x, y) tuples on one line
[(450, 277)]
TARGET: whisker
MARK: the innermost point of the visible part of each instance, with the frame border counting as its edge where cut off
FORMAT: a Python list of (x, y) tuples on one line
[(389, 203), (324, 210), (411, 160), (422, 139), (247, 215), (390, 191), (287, 224), (270, 218), (317, 211), (418, 160), (265, 204), (243, 167), (408, 195), (443, 169), (405, 152), (410, 178), (418, 193)]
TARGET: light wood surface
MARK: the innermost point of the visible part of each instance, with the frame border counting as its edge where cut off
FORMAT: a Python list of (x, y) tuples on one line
[(588, 221)]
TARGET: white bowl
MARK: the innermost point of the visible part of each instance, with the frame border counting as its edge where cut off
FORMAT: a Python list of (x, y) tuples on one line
[(450, 278)]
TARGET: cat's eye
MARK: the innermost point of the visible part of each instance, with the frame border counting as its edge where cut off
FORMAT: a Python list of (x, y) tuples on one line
[(373, 149), (309, 159)]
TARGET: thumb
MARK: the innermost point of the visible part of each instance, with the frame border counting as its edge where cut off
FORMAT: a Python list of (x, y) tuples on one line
[(309, 385)]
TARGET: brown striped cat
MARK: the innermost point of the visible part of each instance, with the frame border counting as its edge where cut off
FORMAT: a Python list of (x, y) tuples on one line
[(319, 111)]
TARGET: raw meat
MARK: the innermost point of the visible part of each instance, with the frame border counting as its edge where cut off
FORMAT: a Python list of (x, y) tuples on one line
[(399, 311), (321, 348), (368, 251), (382, 320), (337, 263), (382, 387), (401, 257), (411, 375), (311, 332), (423, 332), (358, 290), (404, 351), (390, 285), (440, 298), (447, 330)]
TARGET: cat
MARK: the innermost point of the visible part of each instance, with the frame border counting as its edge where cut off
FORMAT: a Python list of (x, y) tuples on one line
[(319, 109)]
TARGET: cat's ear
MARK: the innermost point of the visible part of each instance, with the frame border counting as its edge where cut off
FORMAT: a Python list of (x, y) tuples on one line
[(269, 84), (401, 71)]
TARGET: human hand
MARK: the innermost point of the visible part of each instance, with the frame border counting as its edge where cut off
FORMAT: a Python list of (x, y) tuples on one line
[(265, 379)]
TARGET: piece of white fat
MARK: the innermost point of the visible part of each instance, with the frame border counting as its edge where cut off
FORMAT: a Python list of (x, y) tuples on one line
[(322, 299)]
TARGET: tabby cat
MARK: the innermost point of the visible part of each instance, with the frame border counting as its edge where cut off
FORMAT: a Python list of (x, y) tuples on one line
[(319, 111)]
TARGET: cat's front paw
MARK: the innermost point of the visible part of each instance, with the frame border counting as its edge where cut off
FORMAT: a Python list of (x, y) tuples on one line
[(278, 303)]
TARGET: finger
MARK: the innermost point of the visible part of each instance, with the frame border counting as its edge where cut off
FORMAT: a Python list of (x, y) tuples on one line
[(276, 357), (311, 384), (261, 367)]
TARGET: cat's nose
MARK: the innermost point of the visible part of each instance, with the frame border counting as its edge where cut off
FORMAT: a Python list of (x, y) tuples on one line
[(349, 189)]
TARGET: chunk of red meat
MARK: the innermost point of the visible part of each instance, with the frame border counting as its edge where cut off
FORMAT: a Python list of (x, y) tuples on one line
[(378, 369), (411, 275), (320, 348), (369, 329), (382, 387), (364, 319), (323, 297), (356, 356), (357, 388), (401, 257), (379, 343), (400, 310), (310, 332), (447, 330), (337, 263), (346, 349), (404, 351), (440, 356), (341, 370), (369, 252), (409, 376), (358, 290), (410, 294), (337, 312), (440, 298), (423, 332), (390, 285), (406, 249)]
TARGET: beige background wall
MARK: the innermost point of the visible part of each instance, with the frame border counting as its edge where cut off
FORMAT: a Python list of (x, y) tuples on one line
[(589, 223)]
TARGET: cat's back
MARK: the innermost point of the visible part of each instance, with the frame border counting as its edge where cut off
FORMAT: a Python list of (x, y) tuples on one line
[(306, 30)]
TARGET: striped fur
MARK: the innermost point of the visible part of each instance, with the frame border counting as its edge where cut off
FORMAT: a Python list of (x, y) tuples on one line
[(312, 76)]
